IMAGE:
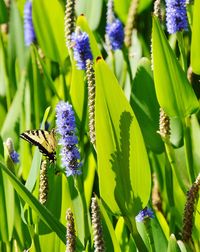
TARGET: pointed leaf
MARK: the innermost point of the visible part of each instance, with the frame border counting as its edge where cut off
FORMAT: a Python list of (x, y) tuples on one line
[(89, 8), (145, 105), (174, 92), (122, 158)]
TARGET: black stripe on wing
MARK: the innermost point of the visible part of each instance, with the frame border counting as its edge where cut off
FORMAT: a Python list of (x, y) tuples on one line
[(26, 137)]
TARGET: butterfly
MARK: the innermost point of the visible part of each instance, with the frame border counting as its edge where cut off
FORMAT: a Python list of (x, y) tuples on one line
[(44, 140)]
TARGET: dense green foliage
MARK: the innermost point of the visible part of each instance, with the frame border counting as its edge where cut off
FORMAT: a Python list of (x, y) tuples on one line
[(131, 166)]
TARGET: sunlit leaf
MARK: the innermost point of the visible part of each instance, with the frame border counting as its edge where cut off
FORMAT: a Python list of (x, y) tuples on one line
[(174, 92), (195, 50), (119, 148)]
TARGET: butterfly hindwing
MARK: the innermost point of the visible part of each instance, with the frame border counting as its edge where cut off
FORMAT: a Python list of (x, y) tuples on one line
[(44, 140)]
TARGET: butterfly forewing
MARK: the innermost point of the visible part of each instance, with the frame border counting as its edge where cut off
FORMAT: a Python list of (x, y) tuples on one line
[(45, 141)]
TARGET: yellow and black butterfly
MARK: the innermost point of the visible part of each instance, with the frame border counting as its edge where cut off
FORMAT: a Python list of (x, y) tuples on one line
[(44, 140)]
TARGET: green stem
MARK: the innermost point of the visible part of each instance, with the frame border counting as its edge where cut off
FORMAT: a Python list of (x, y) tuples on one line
[(127, 60), (171, 157), (79, 186), (35, 88), (182, 50), (112, 55), (188, 149), (170, 193)]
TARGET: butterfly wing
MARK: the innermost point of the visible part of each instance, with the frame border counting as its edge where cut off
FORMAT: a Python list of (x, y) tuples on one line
[(44, 140)]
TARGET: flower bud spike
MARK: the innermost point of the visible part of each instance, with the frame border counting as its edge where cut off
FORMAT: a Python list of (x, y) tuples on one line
[(130, 23), (43, 189), (69, 21), (99, 245), (189, 210), (71, 233), (91, 99)]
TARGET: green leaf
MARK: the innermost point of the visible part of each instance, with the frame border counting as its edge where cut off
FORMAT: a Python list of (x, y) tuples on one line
[(122, 8), (121, 153), (195, 138), (16, 45), (89, 8), (145, 105), (42, 212), (195, 50), (174, 92), (3, 12), (6, 208), (172, 245), (48, 20), (14, 111)]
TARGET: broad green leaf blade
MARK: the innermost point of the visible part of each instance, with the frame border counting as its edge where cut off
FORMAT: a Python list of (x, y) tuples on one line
[(174, 92), (48, 20), (122, 158), (195, 49), (42, 212), (145, 105), (89, 9)]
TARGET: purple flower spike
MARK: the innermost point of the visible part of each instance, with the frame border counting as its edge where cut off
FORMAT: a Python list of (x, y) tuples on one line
[(115, 33), (81, 48), (66, 127), (176, 16), (146, 213), (29, 33)]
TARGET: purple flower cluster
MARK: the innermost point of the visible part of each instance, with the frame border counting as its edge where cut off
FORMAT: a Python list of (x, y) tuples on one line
[(115, 33), (66, 127), (146, 213), (176, 16), (14, 156), (29, 33), (81, 48)]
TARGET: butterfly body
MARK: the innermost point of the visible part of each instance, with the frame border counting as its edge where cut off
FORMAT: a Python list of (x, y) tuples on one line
[(44, 140)]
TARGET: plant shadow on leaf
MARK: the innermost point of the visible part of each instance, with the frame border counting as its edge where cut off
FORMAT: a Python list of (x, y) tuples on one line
[(124, 194)]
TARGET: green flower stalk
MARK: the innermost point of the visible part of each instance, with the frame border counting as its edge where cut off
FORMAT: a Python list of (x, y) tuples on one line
[(130, 24), (71, 233), (69, 21), (189, 210), (91, 99), (99, 245), (43, 189)]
